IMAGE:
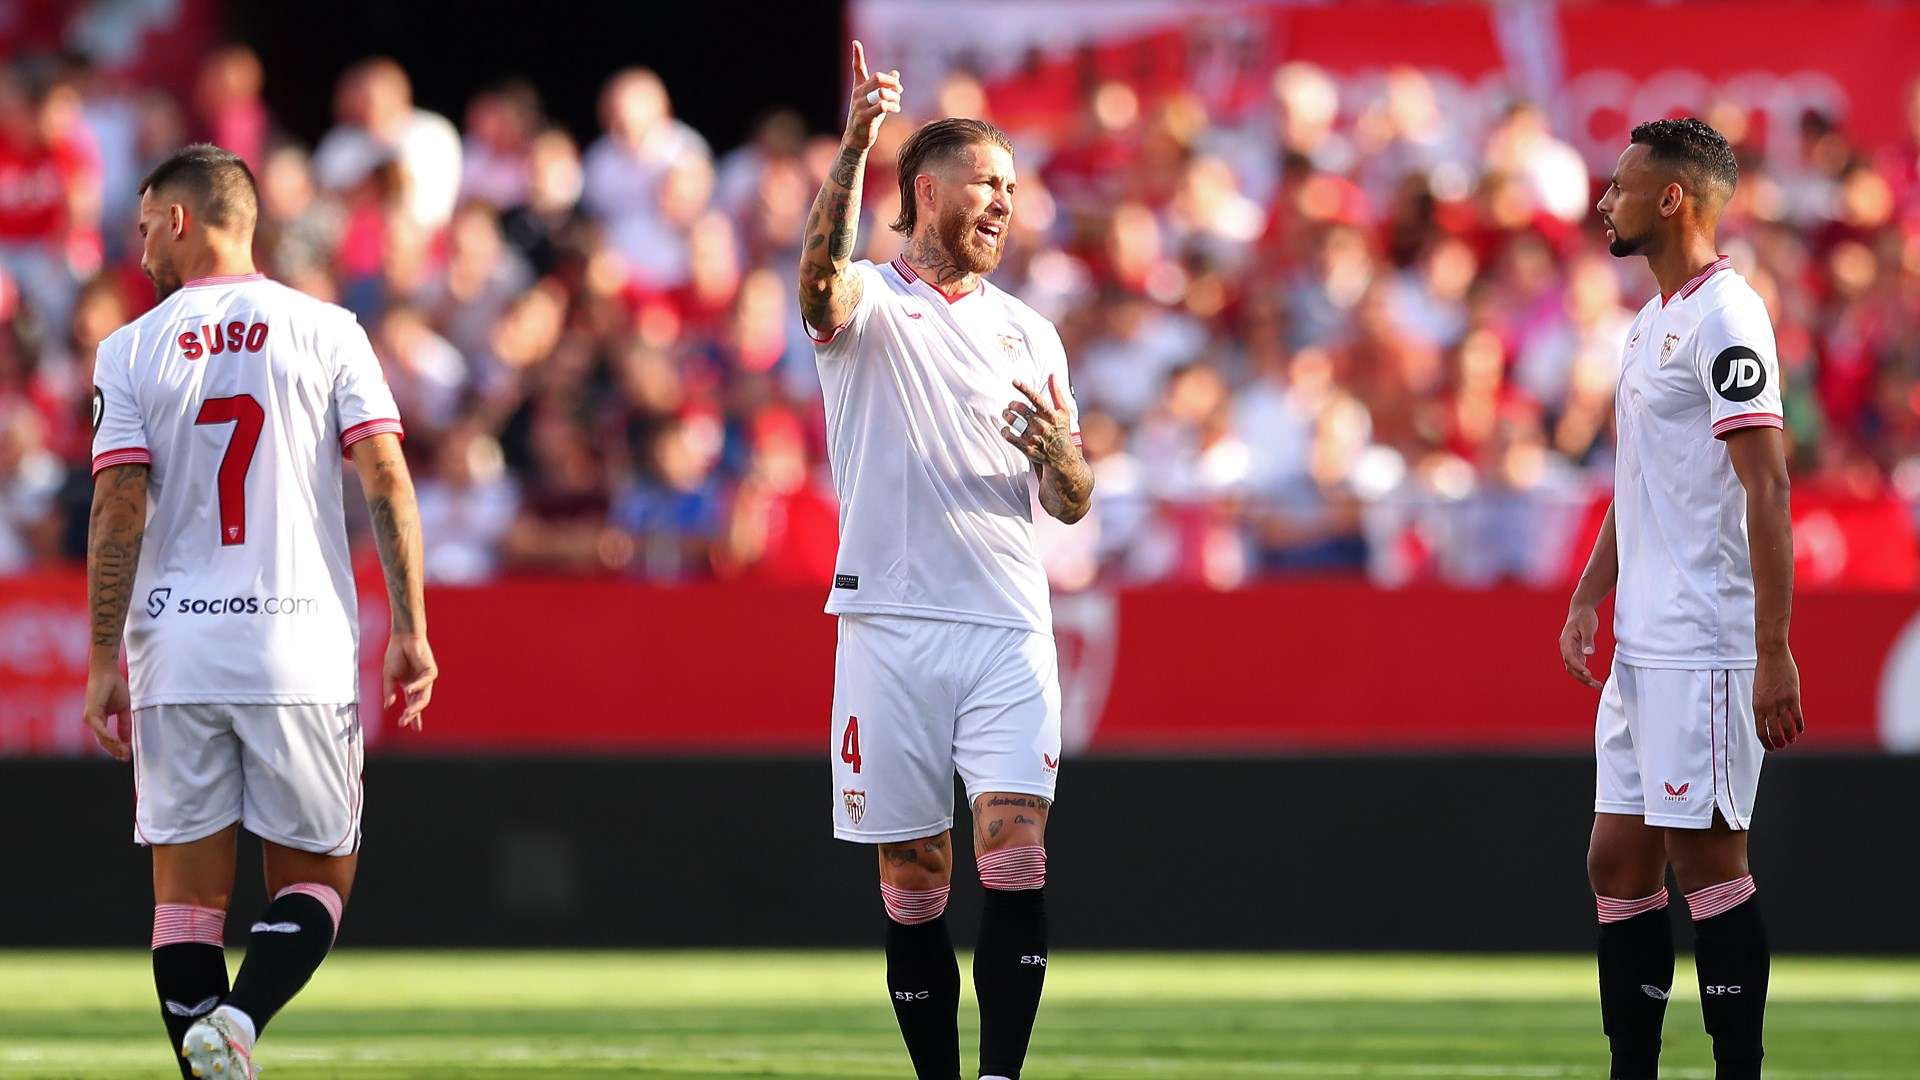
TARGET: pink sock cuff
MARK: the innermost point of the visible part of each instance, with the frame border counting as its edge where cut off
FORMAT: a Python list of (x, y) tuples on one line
[(1613, 911), (328, 898), (911, 907), (1719, 899), (188, 924), (1013, 869)]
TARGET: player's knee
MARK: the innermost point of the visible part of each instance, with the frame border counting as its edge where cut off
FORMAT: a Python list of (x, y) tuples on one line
[(1619, 873), (1013, 869), (917, 865)]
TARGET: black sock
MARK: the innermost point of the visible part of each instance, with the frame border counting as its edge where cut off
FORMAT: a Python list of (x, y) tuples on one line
[(1636, 975), (924, 979), (287, 945), (1009, 968), (1730, 954), (192, 978)]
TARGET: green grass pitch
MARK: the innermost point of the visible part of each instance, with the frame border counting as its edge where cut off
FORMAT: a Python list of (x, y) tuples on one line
[(375, 1015)]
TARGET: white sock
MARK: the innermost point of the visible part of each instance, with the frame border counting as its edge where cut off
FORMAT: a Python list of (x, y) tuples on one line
[(240, 1020)]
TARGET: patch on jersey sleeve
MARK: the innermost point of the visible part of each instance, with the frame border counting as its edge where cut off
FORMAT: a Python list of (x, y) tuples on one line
[(1738, 374), (99, 409)]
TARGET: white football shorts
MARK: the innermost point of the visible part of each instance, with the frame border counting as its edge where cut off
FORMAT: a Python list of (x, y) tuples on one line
[(1672, 744), (289, 773), (915, 700)]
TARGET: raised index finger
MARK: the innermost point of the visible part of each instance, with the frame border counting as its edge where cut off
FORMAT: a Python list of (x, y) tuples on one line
[(859, 62), (1038, 405)]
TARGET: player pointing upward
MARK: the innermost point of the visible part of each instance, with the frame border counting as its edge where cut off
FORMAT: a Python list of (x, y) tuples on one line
[(218, 545), (946, 658), (1700, 546)]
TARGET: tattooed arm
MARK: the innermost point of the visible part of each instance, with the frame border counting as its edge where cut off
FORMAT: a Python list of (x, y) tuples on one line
[(114, 531), (1045, 436), (828, 294), (410, 669)]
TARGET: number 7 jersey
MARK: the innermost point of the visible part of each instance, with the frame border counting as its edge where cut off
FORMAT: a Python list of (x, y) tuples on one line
[(242, 396)]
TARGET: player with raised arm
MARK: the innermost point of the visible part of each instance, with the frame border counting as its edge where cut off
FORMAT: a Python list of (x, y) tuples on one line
[(218, 549), (946, 658), (1697, 549)]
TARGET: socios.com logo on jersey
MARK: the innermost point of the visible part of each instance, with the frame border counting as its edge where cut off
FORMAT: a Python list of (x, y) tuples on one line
[(158, 604)]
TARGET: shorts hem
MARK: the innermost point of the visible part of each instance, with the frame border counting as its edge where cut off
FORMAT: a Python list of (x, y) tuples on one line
[(893, 836), (1674, 821), (1035, 790), (311, 847), (1603, 807), (143, 838)]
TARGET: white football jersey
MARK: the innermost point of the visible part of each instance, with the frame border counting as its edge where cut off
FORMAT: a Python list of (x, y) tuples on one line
[(1697, 366), (936, 509), (241, 395)]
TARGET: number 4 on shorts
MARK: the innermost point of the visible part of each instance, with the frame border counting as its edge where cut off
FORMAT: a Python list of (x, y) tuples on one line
[(850, 743)]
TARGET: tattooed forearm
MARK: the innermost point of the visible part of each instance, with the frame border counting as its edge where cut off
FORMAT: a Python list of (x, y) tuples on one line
[(115, 529), (390, 536), (1066, 480), (827, 293), (396, 535)]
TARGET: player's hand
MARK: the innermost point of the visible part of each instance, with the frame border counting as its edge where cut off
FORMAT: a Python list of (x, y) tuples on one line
[(1036, 428), (1576, 643), (409, 673), (874, 96), (109, 710), (1776, 700)]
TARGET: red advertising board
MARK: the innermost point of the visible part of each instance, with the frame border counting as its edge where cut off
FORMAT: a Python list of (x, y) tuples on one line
[(614, 667), (1599, 67)]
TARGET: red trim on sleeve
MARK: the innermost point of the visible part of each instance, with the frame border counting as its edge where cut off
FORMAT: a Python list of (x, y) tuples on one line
[(1747, 420), (828, 340), (1077, 441), (132, 455), (367, 429)]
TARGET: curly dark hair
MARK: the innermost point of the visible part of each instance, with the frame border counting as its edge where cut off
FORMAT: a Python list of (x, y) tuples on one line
[(1692, 148)]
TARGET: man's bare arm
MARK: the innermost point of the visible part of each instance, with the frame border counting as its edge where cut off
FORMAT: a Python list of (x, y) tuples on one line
[(388, 485), (828, 293), (1046, 437), (115, 529), (1603, 567), (1759, 457)]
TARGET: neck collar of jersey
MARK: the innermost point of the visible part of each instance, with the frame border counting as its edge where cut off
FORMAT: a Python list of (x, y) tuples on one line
[(908, 275), (1693, 283), (229, 279)]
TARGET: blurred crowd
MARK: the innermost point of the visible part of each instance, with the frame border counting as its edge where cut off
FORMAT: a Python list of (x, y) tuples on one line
[(1332, 336)]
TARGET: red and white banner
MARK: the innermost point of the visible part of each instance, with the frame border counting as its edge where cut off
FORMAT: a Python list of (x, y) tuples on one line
[(570, 667), (1599, 68)]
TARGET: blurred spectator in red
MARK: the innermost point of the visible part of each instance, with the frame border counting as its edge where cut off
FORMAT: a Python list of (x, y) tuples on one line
[(783, 526), (49, 196), (228, 111)]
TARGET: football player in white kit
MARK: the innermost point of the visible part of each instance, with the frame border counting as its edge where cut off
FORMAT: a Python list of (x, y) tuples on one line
[(1697, 549), (218, 547), (945, 399)]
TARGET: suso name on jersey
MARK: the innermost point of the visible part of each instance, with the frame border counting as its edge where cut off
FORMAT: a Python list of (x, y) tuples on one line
[(214, 339)]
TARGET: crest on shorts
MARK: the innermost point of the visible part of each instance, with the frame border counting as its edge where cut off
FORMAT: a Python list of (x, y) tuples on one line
[(1666, 348), (856, 804)]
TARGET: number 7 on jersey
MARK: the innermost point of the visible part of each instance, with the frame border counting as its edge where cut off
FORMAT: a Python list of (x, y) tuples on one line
[(247, 418)]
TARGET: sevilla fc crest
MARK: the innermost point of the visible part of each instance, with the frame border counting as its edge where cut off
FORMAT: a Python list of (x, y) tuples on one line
[(856, 804), (1666, 348)]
